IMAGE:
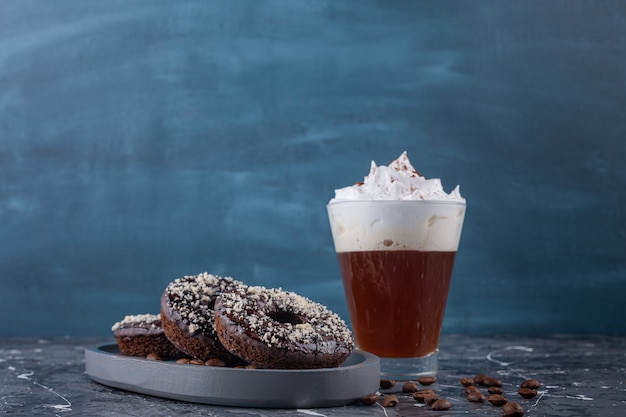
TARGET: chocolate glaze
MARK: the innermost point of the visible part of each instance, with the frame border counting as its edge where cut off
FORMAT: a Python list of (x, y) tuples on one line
[(141, 338), (188, 319), (278, 329), (142, 328)]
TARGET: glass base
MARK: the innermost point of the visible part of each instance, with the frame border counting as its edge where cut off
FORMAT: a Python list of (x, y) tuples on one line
[(406, 369)]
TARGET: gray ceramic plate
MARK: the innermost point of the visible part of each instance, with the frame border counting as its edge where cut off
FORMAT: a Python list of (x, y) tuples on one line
[(267, 388)]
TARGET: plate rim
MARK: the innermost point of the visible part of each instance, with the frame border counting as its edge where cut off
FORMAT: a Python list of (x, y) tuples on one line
[(216, 385)]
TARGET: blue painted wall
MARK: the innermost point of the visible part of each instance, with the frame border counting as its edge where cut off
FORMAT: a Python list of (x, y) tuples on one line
[(146, 140)]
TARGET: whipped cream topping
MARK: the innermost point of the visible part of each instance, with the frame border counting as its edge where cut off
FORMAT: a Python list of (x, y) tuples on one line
[(396, 208), (397, 181)]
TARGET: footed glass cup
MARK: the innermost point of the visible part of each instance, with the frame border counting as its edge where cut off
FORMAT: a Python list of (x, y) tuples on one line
[(396, 260)]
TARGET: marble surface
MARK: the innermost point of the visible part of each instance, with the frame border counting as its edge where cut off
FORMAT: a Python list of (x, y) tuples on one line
[(581, 376)]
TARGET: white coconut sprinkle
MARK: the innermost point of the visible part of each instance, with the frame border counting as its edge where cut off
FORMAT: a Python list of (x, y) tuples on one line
[(255, 308), (193, 297), (138, 319)]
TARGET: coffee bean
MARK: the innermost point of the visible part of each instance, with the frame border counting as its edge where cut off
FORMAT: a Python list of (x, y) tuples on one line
[(497, 399), (370, 399), (531, 383), (471, 388), (487, 381), (215, 362), (421, 394), (184, 361), (153, 357), (387, 383), (527, 393), (390, 401), (410, 386), (494, 390), (441, 404), (429, 399), (427, 380), (512, 409), (466, 382), (491, 382), (475, 397), (478, 379)]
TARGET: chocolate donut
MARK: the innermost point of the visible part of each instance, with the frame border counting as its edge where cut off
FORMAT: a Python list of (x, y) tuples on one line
[(271, 328), (142, 335), (188, 318)]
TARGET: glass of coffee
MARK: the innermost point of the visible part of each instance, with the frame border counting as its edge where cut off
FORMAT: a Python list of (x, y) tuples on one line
[(396, 259)]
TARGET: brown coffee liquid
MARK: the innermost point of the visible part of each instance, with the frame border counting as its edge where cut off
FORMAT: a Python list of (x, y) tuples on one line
[(396, 299)]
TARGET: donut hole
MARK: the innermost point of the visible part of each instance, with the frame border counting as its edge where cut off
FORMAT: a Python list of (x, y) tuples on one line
[(286, 317)]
